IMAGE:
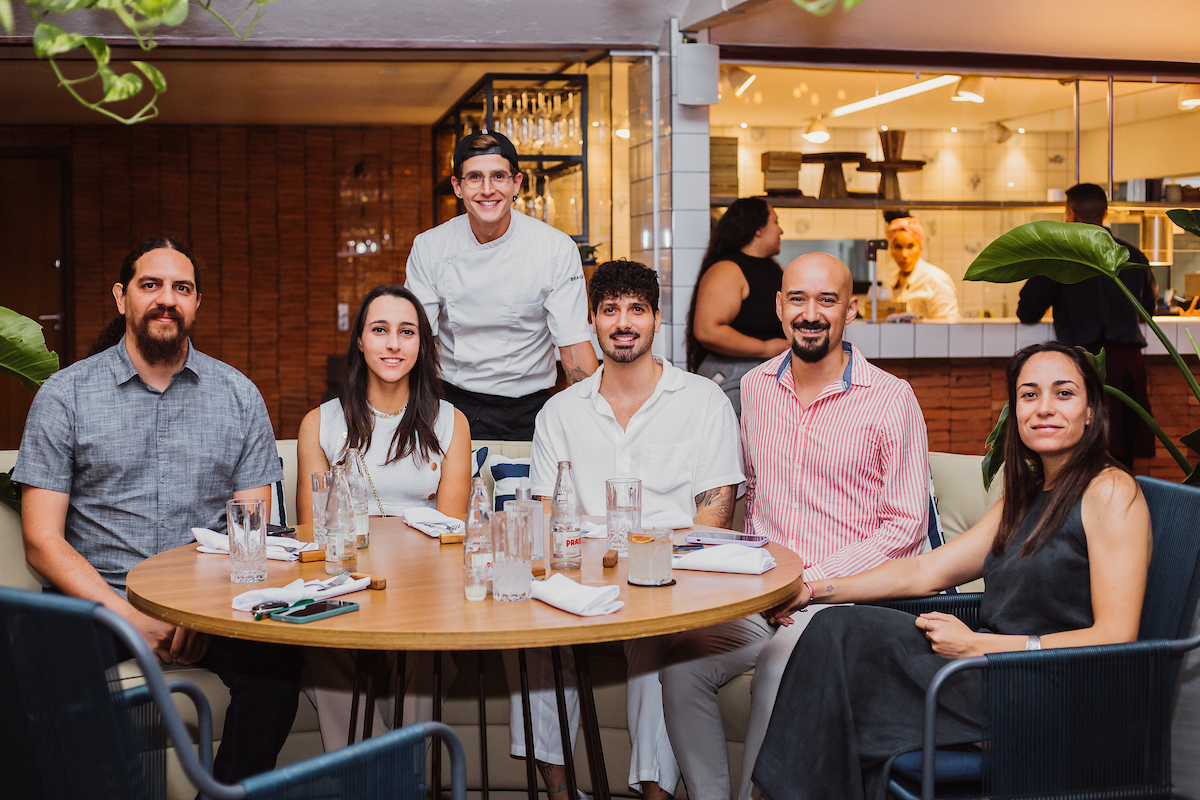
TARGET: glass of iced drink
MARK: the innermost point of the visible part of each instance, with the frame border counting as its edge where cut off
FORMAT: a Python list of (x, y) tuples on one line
[(650, 557)]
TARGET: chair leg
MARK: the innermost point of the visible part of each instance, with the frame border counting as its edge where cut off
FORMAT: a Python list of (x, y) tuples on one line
[(564, 730), (372, 666), (398, 692), (437, 717), (591, 728), (527, 716), (483, 751), (359, 656)]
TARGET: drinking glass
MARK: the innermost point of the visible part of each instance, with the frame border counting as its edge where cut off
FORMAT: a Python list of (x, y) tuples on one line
[(320, 495), (246, 520), (650, 557), (623, 511), (512, 567)]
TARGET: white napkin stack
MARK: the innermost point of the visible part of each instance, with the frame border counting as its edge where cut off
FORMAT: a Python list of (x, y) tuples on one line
[(735, 558), (296, 591), (585, 601), (279, 548), (432, 522), (668, 518)]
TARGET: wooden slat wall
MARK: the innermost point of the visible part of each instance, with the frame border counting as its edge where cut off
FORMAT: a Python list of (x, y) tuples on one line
[(259, 206)]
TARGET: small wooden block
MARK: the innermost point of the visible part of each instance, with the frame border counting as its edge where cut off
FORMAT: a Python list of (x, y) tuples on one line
[(539, 571), (452, 538), (610, 559), (376, 583), (312, 555)]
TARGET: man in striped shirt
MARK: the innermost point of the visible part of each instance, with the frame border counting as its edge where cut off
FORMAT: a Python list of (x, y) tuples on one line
[(838, 470)]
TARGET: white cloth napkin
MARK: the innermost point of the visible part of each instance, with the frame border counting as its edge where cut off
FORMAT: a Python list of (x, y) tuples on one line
[(585, 601), (279, 548), (432, 522), (669, 518), (727, 558), (296, 591)]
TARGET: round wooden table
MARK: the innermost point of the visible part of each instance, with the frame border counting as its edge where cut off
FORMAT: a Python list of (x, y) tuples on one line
[(424, 607)]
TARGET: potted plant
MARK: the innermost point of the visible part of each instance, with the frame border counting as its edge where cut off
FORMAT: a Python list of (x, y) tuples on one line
[(23, 355)]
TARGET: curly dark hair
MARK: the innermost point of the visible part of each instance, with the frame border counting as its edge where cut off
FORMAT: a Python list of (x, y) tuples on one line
[(623, 278)]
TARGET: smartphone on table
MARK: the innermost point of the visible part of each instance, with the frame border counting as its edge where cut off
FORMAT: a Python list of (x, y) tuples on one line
[(322, 609), (726, 537)]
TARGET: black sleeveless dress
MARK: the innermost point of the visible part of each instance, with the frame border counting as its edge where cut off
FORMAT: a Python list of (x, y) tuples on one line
[(853, 694)]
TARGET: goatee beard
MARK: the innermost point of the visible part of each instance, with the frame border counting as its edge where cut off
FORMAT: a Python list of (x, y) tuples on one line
[(811, 353), (161, 350)]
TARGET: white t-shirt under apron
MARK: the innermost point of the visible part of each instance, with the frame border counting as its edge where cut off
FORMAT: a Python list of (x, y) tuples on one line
[(499, 309), (405, 483)]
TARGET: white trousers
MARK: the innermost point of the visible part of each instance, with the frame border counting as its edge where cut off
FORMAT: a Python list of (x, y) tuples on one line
[(652, 759), (700, 662)]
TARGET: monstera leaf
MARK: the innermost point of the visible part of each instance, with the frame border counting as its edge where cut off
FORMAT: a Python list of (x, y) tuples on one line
[(23, 352), (1186, 218), (1068, 252)]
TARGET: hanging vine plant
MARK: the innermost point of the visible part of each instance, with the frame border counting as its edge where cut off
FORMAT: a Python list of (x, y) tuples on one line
[(105, 85), (823, 7)]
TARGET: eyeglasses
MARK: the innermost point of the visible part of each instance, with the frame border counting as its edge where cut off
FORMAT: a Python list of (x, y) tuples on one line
[(473, 180)]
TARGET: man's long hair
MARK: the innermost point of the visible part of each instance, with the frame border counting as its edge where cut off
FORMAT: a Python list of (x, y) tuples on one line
[(736, 229), (415, 434), (1023, 475)]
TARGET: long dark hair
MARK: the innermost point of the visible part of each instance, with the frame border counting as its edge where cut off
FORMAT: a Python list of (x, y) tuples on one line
[(736, 229), (115, 329), (1023, 476), (414, 434)]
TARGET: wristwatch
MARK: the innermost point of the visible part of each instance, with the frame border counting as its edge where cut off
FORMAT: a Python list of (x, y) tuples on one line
[(1033, 643)]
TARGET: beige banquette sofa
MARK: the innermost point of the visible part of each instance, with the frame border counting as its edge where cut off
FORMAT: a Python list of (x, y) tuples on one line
[(961, 501)]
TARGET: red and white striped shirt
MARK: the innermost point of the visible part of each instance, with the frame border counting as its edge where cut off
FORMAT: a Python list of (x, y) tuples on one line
[(844, 482)]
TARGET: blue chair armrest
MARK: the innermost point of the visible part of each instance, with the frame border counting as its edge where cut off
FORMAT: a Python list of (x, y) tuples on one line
[(965, 606)]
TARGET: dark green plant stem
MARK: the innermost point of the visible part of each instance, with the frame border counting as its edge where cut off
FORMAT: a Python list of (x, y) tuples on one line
[(1154, 426)]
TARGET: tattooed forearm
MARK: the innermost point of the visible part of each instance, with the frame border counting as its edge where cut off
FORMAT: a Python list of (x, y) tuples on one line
[(714, 507), (575, 375)]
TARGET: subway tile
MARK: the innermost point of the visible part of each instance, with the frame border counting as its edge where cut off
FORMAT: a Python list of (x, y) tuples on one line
[(689, 228), (999, 339), (864, 336), (966, 340), (896, 340), (689, 119), (689, 190), (931, 340), (685, 266), (1033, 334)]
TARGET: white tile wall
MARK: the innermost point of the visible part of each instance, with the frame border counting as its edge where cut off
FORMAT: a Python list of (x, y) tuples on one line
[(931, 340), (966, 340), (864, 336), (896, 340)]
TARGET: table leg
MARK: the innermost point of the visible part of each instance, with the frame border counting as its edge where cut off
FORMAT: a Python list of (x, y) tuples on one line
[(437, 717), (398, 692), (563, 726), (372, 661), (483, 751), (359, 657), (591, 728), (527, 715)]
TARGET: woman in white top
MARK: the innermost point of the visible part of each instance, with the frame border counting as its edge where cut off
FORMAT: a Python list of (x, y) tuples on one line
[(927, 289), (416, 446)]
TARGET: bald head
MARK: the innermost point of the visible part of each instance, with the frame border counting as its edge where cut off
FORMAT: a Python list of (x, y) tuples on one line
[(815, 302)]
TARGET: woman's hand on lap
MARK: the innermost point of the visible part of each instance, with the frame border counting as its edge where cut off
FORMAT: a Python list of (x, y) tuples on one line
[(949, 636)]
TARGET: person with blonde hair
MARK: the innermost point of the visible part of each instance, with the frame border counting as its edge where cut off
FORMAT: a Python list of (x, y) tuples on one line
[(928, 290)]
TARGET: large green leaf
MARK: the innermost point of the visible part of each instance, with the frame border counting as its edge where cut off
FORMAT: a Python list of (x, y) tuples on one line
[(9, 495), (1186, 218), (1068, 252), (23, 352), (995, 454)]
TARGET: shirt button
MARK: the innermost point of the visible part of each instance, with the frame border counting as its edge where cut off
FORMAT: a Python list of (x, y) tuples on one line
[(432, 495), (795, 505), (162, 480), (162, 524), (162, 438), (433, 466)]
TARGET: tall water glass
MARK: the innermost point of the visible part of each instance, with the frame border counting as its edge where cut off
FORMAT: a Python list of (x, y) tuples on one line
[(623, 511), (320, 495), (246, 520), (512, 567)]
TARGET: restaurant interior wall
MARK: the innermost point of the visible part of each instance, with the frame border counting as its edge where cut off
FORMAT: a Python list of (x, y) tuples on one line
[(270, 212)]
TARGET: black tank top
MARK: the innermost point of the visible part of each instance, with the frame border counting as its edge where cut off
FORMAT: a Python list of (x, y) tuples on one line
[(757, 317)]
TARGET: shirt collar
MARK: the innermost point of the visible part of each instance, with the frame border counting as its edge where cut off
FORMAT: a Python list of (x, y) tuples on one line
[(672, 379), (855, 373), (124, 370)]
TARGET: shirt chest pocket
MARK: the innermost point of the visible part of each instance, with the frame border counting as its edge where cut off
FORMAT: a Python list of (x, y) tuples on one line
[(524, 317), (667, 467)]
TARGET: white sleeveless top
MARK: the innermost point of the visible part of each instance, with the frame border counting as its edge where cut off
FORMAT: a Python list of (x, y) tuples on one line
[(405, 483)]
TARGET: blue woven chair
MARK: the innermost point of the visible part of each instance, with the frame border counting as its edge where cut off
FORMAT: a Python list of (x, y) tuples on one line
[(71, 731), (1074, 723)]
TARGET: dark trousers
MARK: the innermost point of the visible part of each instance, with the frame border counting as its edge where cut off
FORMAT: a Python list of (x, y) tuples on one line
[(1128, 436), (508, 419)]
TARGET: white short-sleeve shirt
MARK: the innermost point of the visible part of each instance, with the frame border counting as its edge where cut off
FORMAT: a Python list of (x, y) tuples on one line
[(499, 309), (681, 442)]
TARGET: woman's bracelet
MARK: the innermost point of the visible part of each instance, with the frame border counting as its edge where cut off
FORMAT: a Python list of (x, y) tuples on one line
[(811, 594)]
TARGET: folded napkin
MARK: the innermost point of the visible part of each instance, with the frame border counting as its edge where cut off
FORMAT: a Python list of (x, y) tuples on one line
[(432, 522), (279, 548), (296, 591), (668, 518), (727, 558), (585, 601)]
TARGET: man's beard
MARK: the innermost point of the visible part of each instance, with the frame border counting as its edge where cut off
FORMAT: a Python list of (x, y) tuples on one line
[(811, 353), (625, 355), (157, 349)]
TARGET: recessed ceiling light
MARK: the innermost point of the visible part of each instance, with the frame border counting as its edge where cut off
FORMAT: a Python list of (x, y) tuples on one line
[(621, 133), (841, 94), (814, 98), (883, 127), (1020, 130), (744, 125), (796, 93), (954, 130)]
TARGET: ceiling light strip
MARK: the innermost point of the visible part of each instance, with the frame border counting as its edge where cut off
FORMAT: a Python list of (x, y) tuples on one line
[(894, 95)]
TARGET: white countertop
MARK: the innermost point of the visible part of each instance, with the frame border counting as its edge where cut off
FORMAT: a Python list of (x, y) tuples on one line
[(986, 338)]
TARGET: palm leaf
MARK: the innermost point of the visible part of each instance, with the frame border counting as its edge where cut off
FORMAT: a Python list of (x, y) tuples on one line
[(23, 352), (1069, 252)]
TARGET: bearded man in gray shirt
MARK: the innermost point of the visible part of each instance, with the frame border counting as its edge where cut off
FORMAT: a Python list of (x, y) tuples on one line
[(124, 453)]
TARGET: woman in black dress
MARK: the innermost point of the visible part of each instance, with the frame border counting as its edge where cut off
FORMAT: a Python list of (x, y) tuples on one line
[(1064, 556)]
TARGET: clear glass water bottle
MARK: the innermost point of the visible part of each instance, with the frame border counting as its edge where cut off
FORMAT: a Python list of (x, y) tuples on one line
[(477, 545), (564, 522), (537, 515), (340, 552), (359, 493)]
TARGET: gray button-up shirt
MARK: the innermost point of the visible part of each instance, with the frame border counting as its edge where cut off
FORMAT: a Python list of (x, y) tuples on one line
[(143, 467)]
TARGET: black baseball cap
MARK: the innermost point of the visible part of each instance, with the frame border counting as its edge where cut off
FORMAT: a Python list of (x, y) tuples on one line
[(466, 148)]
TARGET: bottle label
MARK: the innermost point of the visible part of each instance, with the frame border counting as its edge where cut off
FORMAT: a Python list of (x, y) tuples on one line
[(481, 560)]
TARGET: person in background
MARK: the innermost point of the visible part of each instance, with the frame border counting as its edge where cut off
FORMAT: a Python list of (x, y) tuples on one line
[(837, 466), (928, 290), (1094, 313), (501, 291), (125, 452), (1065, 555), (731, 322), (636, 417), (416, 448)]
